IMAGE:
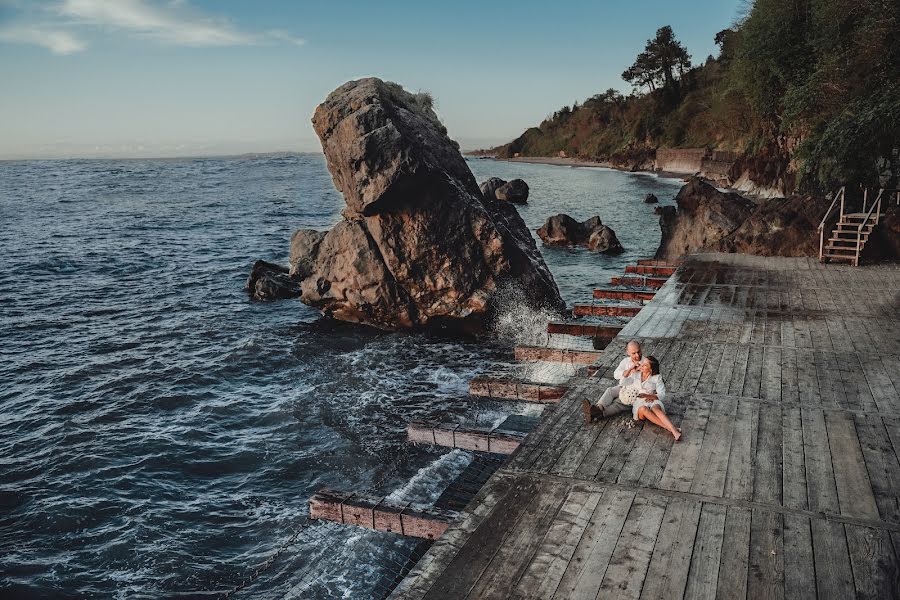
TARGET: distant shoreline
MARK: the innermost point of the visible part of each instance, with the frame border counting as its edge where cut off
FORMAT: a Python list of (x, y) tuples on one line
[(581, 162)]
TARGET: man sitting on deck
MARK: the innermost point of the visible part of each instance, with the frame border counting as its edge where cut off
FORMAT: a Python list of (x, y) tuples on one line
[(631, 364)]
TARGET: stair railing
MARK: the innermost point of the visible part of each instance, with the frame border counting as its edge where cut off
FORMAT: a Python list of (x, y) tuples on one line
[(876, 207), (839, 195)]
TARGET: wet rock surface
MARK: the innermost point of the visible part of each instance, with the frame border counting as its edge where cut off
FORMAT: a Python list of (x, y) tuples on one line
[(650, 199), (515, 191), (490, 186), (418, 245), (563, 230), (269, 281)]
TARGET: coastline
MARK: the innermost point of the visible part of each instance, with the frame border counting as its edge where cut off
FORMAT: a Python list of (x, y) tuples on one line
[(583, 162)]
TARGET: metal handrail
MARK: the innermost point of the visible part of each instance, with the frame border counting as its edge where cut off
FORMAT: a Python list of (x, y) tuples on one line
[(865, 221), (821, 228)]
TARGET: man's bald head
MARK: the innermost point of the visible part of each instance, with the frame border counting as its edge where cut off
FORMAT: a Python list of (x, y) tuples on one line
[(633, 349)]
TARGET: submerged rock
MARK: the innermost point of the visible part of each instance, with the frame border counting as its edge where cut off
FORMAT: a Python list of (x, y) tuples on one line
[(563, 230), (515, 191), (418, 245), (269, 281)]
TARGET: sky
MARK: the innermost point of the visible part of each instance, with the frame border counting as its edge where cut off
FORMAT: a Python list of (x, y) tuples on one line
[(139, 78)]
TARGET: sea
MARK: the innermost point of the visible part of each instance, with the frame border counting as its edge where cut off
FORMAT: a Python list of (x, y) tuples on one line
[(161, 433)]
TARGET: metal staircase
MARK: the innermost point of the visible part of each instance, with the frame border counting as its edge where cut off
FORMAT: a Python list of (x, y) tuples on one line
[(852, 230)]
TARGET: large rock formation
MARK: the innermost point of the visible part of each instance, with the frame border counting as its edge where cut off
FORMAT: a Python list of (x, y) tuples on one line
[(779, 227), (710, 220), (563, 230), (515, 191), (704, 216), (418, 244)]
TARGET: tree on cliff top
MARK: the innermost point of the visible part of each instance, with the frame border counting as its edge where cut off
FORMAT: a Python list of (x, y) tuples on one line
[(656, 66)]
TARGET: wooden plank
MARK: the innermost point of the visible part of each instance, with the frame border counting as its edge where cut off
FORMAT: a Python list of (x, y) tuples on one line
[(794, 466), (821, 490), (753, 377), (799, 566), (834, 577), (679, 472), (853, 487), (703, 578), (712, 466), (467, 566), (562, 355), (766, 573), (770, 388), (882, 465), (512, 558), (605, 310), (732, 578), (652, 262), (546, 569), (671, 560), (620, 294), (875, 571), (767, 479), (590, 560), (513, 389), (628, 565)]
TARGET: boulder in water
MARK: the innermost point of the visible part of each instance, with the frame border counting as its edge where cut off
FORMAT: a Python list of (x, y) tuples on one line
[(269, 281), (650, 199), (515, 191), (490, 186), (418, 245), (563, 230)]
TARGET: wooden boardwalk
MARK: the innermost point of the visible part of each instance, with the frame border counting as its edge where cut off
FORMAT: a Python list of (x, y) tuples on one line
[(785, 377)]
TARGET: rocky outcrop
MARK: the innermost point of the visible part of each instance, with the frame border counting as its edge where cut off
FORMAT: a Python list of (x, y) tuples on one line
[(779, 227), (884, 243), (710, 220), (650, 199), (515, 191), (563, 230), (418, 244), (703, 218), (269, 281)]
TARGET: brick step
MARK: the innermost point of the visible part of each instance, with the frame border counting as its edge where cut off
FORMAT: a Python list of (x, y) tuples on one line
[(514, 389), (584, 329), (652, 262), (380, 514), (639, 281), (453, 435), (650, 270), (605, 310), (540, 353), (621, 294)]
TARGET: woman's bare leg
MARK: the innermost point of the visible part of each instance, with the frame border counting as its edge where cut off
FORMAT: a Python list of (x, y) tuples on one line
[(664, 421), (645, 413)]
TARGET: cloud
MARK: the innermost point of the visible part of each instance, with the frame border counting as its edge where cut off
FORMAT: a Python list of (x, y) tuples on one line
[(57, 41), (168, 22)]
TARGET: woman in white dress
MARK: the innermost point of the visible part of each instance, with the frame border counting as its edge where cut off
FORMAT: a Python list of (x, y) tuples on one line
[(642, 393), (651, 391)]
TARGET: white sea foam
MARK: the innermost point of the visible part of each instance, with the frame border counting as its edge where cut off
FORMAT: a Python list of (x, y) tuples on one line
[(426, 486)]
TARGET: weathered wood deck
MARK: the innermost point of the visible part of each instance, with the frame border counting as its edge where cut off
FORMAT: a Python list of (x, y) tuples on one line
[(785, 377)]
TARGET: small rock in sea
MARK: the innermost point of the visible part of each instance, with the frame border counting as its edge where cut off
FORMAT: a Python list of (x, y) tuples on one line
[(269, 281), (489, 187), (563, 230), (516, 191), (651, 199)]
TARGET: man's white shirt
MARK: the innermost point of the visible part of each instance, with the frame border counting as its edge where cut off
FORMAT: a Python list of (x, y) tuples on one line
[(626, 364)]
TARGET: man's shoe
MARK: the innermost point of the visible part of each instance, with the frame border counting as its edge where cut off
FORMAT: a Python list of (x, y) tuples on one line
[(588, 411)]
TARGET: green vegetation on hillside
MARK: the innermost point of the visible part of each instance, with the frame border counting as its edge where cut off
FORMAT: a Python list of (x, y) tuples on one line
[(809, 86)]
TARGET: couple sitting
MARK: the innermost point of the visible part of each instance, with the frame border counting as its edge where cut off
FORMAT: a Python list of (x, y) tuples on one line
[(640, 389)]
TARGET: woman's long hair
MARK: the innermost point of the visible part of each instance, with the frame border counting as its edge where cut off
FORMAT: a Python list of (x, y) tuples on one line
[(654, 365)]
